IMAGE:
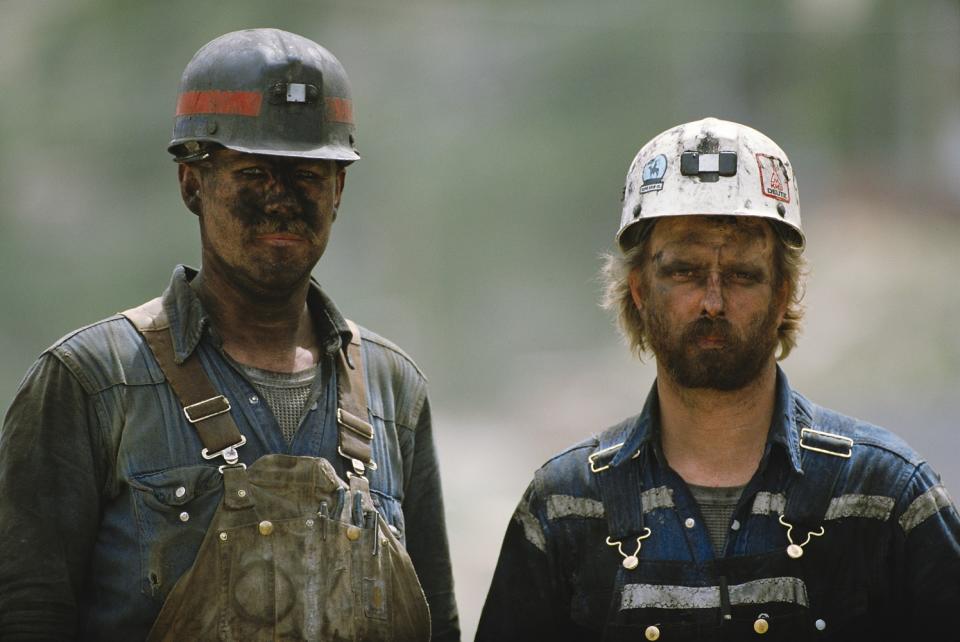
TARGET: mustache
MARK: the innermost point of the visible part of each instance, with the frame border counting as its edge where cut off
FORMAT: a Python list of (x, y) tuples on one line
[(708, 327), (281, 227), (258, 222)]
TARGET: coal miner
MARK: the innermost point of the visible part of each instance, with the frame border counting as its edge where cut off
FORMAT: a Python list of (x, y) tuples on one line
[(234, 459), (732, 507)]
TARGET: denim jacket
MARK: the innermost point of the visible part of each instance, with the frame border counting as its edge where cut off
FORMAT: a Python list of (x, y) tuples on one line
[(886, 564), (104, 494)]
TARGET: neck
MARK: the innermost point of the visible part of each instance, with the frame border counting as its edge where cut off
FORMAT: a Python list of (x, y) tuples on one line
[(715, 437), (273, 334)]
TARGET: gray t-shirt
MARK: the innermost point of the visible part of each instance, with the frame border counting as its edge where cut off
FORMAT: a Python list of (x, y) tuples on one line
[(285, 392), (717, 505)]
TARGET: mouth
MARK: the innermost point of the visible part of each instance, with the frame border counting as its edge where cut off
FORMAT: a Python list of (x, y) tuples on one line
[(712, 342), (280, 239)]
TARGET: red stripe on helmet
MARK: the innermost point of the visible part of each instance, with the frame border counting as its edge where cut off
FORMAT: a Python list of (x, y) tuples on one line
[(240, 103), (339, 110)]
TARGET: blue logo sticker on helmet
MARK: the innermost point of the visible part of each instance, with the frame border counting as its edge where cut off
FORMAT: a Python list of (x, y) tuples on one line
[(653, 173)]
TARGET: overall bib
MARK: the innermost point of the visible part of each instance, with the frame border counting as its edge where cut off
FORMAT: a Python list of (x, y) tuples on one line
[(293, 552)]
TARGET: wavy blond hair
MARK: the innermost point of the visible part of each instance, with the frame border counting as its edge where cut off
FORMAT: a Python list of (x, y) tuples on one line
[(789, 266)]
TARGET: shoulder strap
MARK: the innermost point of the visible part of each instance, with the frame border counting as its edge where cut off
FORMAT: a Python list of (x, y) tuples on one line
[(355, 431), (206, 409), (621, 487), (209, 412), (824, 457)]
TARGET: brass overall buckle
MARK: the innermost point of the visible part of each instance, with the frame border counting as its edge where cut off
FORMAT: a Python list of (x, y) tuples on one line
[(606, 451)]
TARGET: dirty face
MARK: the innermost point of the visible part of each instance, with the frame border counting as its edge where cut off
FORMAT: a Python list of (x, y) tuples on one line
[(709, 301), (264, 220)]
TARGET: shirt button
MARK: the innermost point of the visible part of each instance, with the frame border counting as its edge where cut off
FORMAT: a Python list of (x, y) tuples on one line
[(241, 493), (652, 633), (180, 492), (688, 522), (820, 624), (265, 527), (254, 399), (184, 516), (735, 525)]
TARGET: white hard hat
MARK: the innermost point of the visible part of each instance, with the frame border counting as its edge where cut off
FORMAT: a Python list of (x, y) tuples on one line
[(712, 167)]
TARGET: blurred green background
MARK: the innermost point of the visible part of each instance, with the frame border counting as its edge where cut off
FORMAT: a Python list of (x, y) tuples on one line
[(495, 137)]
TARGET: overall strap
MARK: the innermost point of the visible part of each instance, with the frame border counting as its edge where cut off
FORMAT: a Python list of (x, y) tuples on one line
[(824, 457), (621, 488), (355, 434), (205, 408)]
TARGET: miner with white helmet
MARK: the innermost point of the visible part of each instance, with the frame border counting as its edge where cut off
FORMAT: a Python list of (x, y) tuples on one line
[(233, 460), (731, 507)]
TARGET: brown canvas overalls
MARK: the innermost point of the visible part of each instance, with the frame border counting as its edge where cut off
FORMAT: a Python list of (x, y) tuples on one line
[(293, 552)]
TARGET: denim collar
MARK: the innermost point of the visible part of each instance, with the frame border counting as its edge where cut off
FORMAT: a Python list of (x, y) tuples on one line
[(188, 319), (644, 434)]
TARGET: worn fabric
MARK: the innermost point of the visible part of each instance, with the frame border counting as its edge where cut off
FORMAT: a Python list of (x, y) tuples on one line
[(886, 567), (294, 553), (104, 495), (286, 394)]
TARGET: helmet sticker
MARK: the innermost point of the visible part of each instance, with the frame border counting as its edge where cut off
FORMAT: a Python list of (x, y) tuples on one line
[(339, 110), (653, 173), (241, 103), (773, 178)]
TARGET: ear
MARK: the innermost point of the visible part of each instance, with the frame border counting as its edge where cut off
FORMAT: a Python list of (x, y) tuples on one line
[(637, 290), (189, 178), (782, 298), (341, 179)]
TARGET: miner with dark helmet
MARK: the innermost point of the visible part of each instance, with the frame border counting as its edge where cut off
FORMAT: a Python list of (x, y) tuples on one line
[(233, 460)]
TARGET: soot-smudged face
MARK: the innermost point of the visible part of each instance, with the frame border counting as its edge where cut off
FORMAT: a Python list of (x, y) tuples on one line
[(708, 299), (264, 220)]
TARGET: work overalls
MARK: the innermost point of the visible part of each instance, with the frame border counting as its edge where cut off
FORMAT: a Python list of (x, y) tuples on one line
[(293, 552)]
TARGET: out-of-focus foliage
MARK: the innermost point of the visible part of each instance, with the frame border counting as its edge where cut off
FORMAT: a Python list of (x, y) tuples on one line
[(495, 136)]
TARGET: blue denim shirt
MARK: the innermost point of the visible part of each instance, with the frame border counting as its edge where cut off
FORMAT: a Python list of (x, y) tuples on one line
[(104, 495), (886, 565)]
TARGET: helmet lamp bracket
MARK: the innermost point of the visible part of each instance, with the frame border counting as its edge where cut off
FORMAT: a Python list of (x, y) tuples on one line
[(708, 167)]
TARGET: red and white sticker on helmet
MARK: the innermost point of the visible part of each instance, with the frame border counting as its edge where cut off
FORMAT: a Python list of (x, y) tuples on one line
[(773, 178)]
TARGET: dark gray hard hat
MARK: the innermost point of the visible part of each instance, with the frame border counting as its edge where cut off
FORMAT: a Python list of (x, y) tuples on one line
[(264, 91)]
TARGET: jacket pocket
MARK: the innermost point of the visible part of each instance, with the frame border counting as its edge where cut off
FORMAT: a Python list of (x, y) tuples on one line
[(173, 510)]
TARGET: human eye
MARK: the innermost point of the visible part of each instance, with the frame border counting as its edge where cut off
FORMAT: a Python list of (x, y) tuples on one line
[(679, 271), (251, 171), (745, 276), (307, 175)]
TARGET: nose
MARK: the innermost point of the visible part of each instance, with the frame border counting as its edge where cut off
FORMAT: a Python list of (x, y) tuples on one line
[(279, 198), (713, 296)]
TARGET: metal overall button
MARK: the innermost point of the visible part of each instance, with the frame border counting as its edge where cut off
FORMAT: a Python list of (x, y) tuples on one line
[(630, 562), (265, 527), (761, 625), (794, 550), (353, 533), (652, 632)]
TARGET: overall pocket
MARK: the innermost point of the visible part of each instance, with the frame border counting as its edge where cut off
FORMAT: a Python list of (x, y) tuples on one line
[(173, 510)]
